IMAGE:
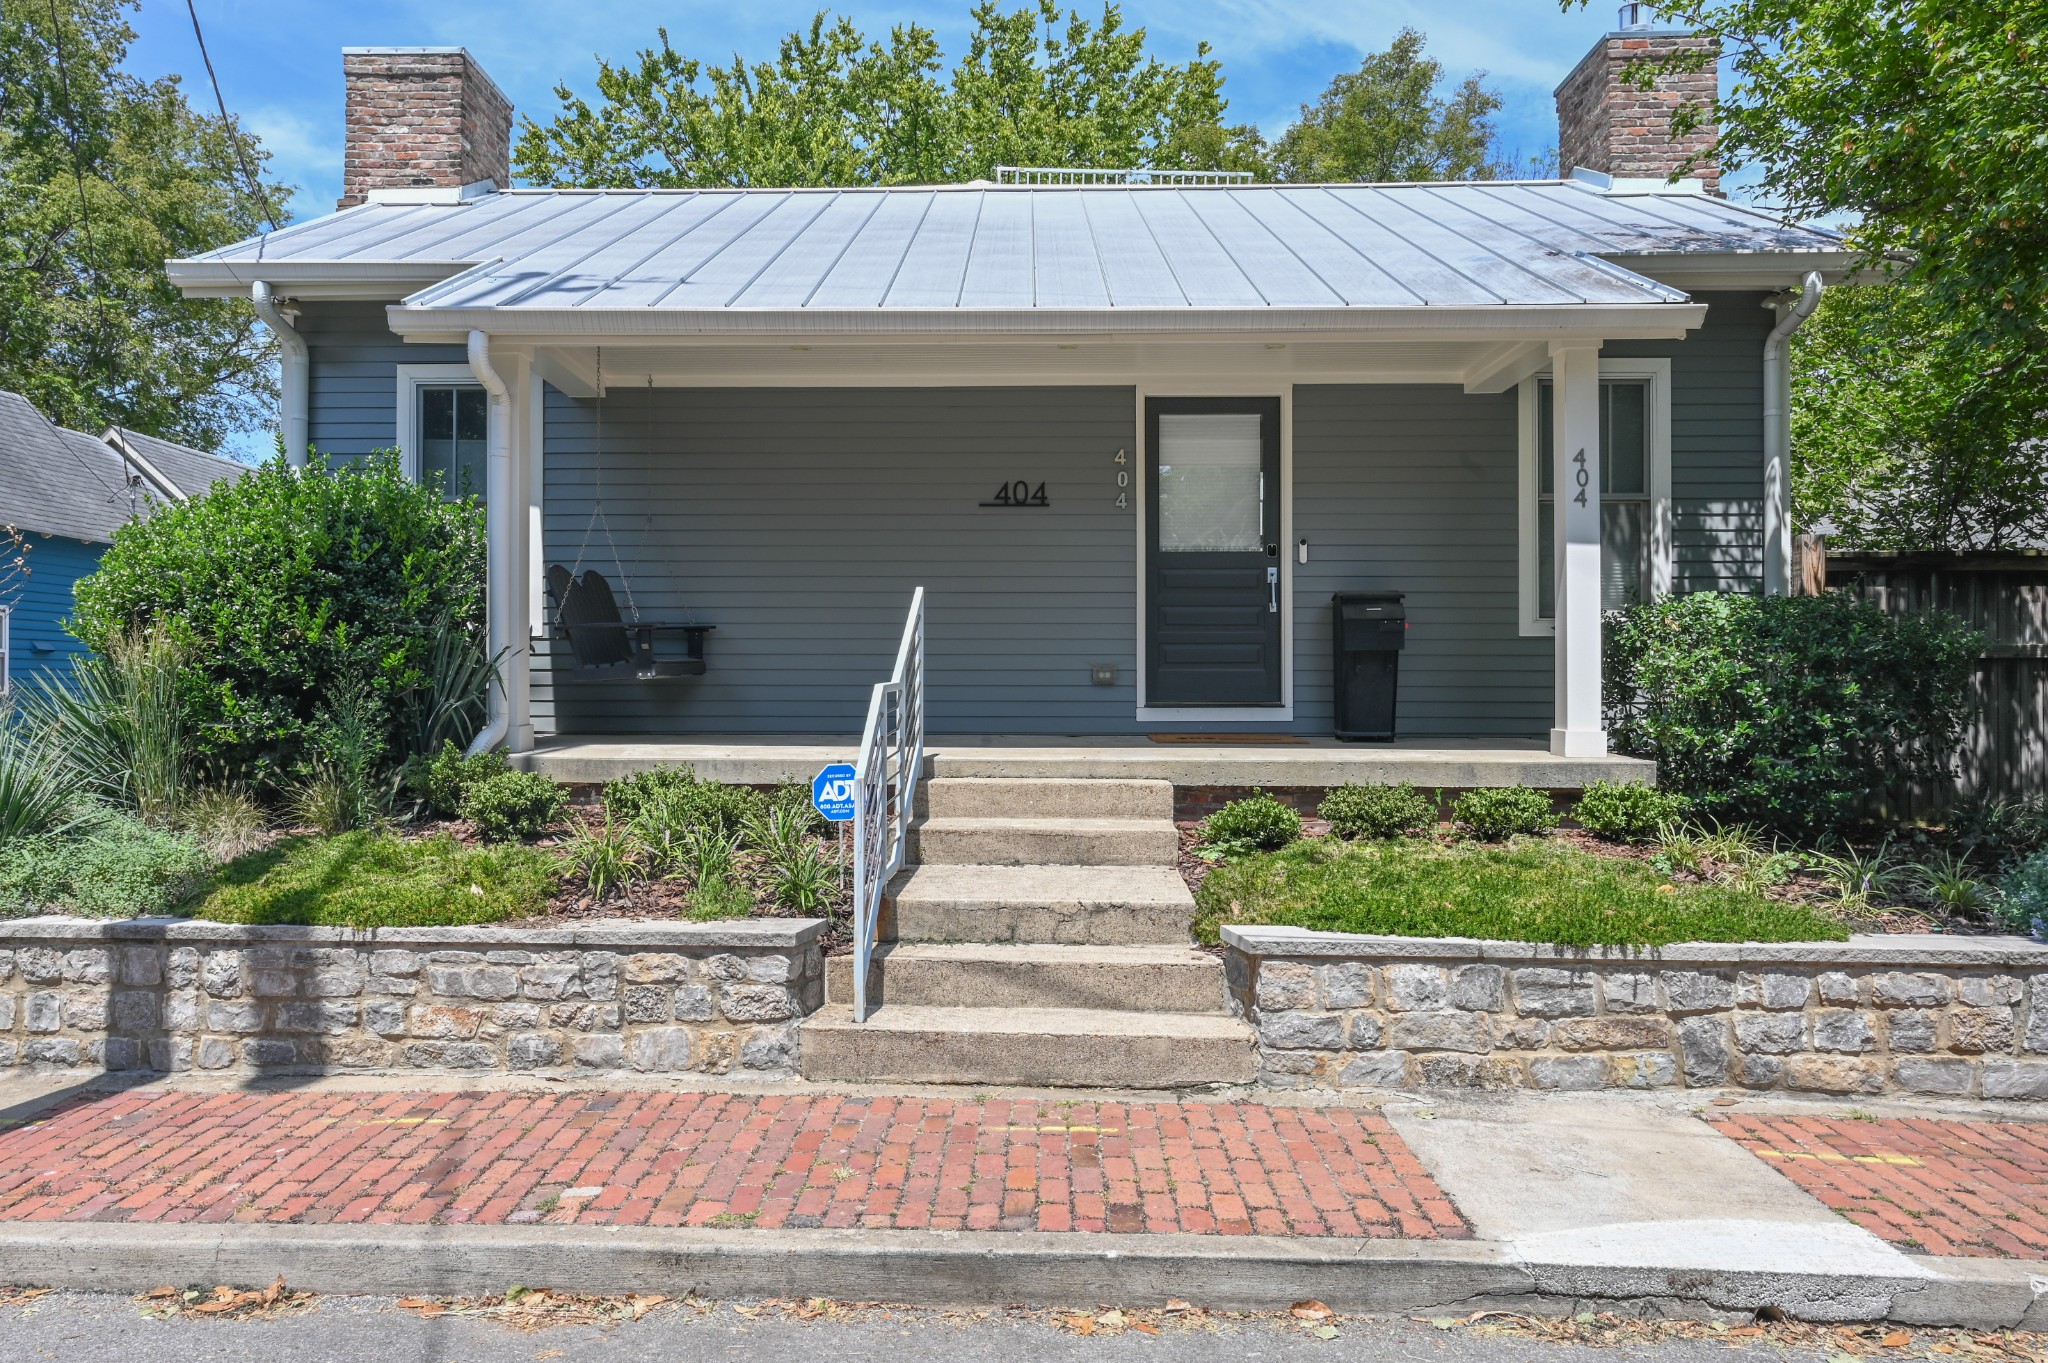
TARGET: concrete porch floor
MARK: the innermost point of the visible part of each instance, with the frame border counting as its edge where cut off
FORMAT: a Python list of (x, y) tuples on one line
[(764, 759)]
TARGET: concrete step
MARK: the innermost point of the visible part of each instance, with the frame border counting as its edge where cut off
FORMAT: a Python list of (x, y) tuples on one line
[(1044, 842), (953, 798), (1123, 979), (1039, 1047), (1102, 905)]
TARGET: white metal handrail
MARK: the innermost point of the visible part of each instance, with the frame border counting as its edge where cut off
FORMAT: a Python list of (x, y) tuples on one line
[(885, 792)]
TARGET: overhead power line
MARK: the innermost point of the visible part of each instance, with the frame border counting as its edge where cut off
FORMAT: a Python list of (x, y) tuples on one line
[(228, 125)]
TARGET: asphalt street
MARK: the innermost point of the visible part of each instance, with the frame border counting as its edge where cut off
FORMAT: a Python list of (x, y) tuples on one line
[(79, 1326)]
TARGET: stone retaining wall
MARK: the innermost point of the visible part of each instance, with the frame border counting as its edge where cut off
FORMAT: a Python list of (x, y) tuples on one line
[(1931, 1015), (171, 994)]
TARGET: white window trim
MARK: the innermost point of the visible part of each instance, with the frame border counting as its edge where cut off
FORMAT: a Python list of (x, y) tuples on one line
[(412, 378), (1220, 714), (1657, 374)]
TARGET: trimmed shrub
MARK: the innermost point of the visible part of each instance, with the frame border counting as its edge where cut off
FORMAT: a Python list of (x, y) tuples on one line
[(1626, 810), (1787, 712), (447, 776), (111, 866), (513, 805), (1498, 812), (279, 585), (1377, 811), (2023, 895), (626, 796), (1257, 823)]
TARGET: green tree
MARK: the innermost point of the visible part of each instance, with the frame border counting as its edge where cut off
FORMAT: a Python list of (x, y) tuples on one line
[(1908, 435), (835, 108), (103, 176), (1388, 121), (1922, 121)]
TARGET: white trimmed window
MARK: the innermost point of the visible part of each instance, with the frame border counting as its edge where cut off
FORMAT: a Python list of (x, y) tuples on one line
[(1635, 490), (444, 427)]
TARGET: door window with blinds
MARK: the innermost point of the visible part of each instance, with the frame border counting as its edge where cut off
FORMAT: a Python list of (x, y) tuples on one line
[(451, 432), (1635, 480), (1211, 483)]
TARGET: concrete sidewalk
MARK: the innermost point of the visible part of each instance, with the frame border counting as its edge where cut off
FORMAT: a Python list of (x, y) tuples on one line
[(1654, 1203)]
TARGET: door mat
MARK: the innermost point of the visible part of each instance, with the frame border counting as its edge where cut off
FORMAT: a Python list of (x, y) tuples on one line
[(1227, 738)]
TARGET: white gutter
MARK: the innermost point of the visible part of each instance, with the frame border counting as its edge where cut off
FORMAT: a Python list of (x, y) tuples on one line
[(500, 569), (1778, 436), (291, 403)]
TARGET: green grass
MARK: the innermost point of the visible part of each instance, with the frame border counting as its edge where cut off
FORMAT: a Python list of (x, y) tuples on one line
[(1531, 890), (366, 880)]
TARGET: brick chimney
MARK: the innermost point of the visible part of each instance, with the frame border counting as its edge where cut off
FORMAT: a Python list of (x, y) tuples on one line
[(1606, 123), (424, 123)]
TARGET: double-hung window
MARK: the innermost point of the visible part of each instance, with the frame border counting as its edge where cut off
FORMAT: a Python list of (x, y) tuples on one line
[(444, 428), (1635, 478)]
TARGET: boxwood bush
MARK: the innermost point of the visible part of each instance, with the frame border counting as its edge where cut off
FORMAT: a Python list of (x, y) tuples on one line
[(1787, 712), (282, 584), (1626, 810), (1377, 811), (514, 804), (1497, 812), (1257, 823)]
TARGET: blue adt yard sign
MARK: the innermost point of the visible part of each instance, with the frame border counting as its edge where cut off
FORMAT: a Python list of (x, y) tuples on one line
[(832, 792)]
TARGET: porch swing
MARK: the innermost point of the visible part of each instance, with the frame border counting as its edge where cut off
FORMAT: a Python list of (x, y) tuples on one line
[(608, 645)]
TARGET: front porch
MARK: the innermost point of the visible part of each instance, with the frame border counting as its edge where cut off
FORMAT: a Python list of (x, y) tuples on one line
[(1277, 761)]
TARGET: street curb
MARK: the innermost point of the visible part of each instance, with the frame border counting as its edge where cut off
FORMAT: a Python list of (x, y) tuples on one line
[(991, 1268)]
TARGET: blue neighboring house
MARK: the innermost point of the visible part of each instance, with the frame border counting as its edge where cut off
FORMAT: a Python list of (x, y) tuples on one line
[(67, 492)]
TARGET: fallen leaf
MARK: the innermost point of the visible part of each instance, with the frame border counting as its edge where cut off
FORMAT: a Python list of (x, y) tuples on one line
[(1897, 1339), (1081, 1325), (1110, 1320), (160, 1294), (1142, 1328), (1324, 1332), (208, 1308), (1443, 1322), (1176, 1304), (1726, 1102), (1747, 1330), (1310, 1310)]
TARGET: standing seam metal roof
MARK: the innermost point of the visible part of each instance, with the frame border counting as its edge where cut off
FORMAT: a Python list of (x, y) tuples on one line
[(1060, 248)]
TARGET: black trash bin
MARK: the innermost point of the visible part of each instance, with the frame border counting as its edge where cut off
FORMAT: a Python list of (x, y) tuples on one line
[(1369, 631)]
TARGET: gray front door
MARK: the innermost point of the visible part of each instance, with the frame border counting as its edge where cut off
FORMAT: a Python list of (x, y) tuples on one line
[(1212, 596)]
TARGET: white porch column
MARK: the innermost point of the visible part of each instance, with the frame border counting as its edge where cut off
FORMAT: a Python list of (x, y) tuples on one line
[(1575, 440), (523, 587)]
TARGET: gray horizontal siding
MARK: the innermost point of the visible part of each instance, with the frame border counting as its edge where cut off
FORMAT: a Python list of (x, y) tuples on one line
[(351, 398), (1717, 443), (1413, 488), (799, 521)]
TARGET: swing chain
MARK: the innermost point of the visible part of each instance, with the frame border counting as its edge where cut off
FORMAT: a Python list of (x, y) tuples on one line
[(597, 513)]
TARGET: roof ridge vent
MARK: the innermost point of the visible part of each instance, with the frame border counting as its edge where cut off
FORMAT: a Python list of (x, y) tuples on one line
[(1136, 175)]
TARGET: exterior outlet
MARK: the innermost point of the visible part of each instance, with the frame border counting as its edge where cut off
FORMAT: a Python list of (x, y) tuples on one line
[(422, 121), (1606, 123)]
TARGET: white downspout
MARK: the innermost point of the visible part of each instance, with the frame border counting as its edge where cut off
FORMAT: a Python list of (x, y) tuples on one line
[(1778, 437), (499, 574), (291, 404)]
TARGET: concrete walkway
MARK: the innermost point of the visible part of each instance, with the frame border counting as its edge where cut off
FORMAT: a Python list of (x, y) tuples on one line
[(1660, 1202)]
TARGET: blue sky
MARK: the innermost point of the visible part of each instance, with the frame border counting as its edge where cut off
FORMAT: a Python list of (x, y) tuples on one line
[(280, 60)]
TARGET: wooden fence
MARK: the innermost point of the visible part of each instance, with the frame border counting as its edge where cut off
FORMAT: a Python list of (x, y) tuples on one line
[(2005, 751)]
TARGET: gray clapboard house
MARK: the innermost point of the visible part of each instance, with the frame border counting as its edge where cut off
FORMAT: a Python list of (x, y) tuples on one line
[(1129, 436)]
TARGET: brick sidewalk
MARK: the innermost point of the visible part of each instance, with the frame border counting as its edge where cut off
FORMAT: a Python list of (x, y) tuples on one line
[(673, 1159), (1951, 1188)]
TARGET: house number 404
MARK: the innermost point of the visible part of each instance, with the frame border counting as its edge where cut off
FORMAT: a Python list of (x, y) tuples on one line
[(1123, 480)]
